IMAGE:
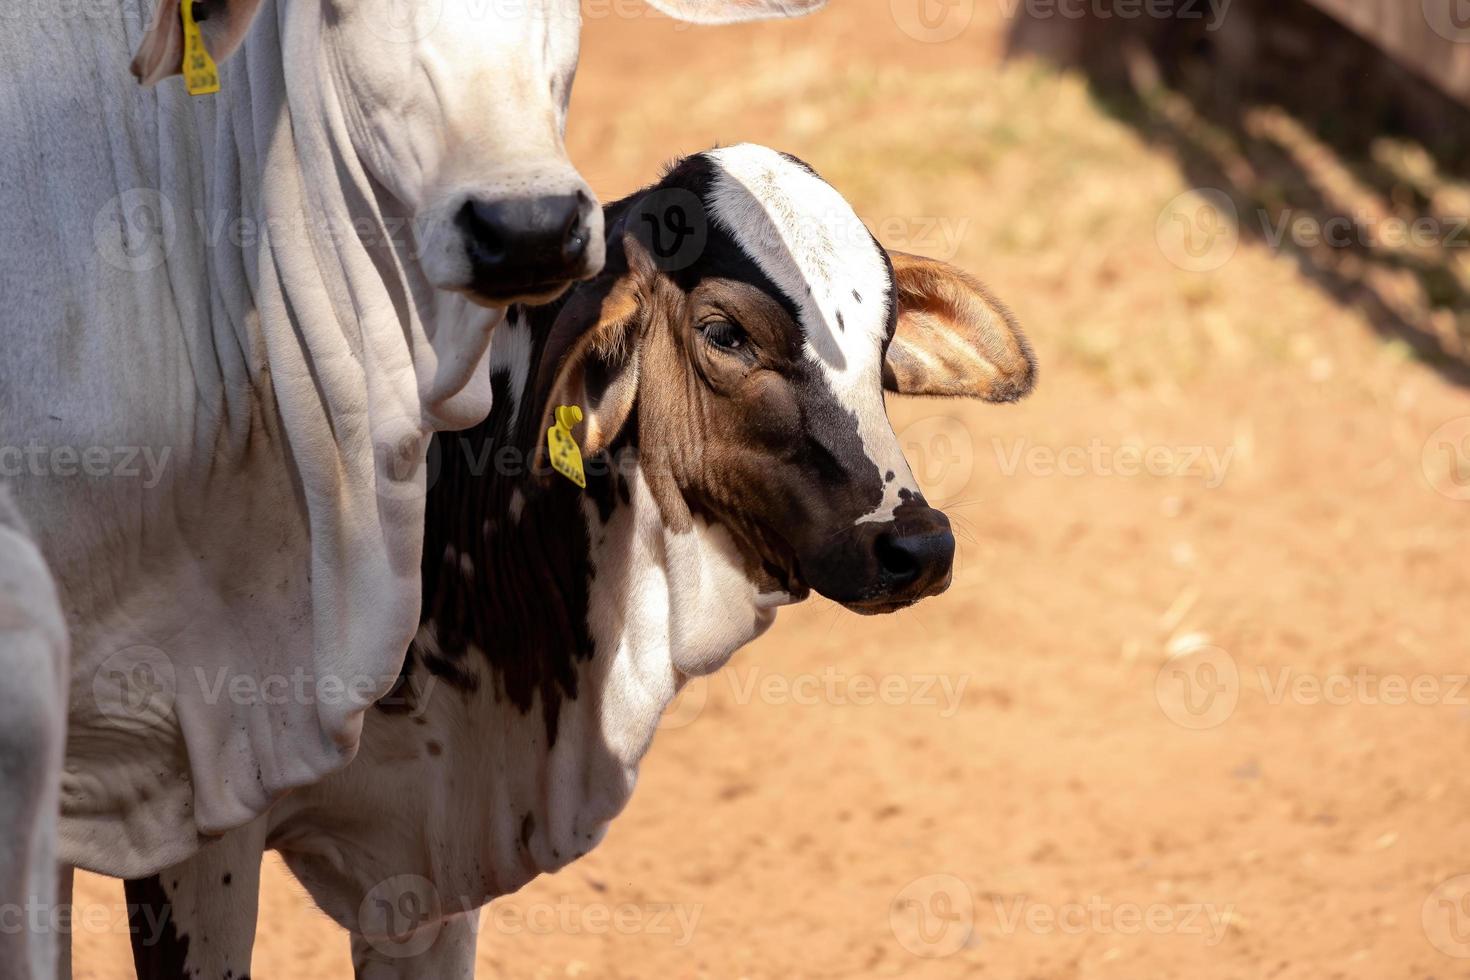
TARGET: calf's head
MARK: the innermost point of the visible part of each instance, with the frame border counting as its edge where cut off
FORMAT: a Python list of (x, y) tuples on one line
[(749, 370), (456, 108)]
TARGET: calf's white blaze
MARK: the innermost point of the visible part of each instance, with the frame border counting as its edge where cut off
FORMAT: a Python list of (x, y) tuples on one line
[(809, 241)]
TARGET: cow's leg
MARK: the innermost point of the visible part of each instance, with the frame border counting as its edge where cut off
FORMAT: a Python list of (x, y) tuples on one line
[(450, 956), (33, 671), (65, 888), (197, 919)]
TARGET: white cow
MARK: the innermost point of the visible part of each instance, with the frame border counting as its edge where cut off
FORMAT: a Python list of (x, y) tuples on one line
[(32, 720), (230, 325), (738, 456)]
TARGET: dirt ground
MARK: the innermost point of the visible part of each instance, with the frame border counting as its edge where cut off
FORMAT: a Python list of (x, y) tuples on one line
[(1195, 705)]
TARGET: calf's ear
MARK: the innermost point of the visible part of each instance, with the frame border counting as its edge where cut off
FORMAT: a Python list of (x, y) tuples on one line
[(731, 11), (599, 372), (953, 337), (223, 23)]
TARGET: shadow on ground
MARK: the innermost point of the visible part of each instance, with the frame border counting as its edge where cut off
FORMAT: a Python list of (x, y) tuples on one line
[(1327, 149)]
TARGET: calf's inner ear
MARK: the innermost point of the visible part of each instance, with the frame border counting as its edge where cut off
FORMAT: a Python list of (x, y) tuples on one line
[(953, 338), (599, 372)]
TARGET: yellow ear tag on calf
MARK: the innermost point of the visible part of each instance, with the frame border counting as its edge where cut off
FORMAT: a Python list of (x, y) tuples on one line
[(201, 77), (566, 458)]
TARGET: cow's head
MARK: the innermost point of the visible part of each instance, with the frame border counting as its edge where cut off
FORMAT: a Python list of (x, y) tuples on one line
[(455, 107), (750, 371)]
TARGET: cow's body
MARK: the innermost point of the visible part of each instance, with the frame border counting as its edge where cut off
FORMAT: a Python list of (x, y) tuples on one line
[(261, 380), (557, 623), (33, 649), (231, 325)]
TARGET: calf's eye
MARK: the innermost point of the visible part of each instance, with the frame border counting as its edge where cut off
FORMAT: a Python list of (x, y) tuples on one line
[(723, 334)]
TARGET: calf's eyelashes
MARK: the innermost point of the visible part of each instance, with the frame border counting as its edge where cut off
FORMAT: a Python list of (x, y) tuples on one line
[(953, 337)]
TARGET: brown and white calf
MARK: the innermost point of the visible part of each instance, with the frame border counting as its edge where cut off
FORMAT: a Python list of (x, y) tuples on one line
[(738, 456)]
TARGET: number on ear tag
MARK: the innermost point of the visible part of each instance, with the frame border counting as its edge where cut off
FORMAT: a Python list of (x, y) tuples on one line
[(201, 76), (566, 457)]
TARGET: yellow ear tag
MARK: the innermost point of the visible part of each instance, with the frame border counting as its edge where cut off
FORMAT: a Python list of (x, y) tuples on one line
[(566, 458), (201, 77)]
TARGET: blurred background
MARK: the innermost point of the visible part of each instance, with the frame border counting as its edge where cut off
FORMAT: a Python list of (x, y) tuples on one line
[(1196, 704)]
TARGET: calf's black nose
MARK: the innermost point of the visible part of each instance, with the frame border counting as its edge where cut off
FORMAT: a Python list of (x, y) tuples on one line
[(525, 245), (915, 557)]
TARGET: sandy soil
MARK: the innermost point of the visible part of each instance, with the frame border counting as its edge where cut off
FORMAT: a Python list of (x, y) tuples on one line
[(1017, 779)]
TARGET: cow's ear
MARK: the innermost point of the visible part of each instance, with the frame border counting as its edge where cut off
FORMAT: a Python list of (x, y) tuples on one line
[(599, 373), (953, 337), (731, 11), (223, 23)]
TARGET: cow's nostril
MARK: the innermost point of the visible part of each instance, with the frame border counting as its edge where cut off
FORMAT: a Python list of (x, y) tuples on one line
[(525, 245), (899, 562), (483, 227), (574, 237)]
